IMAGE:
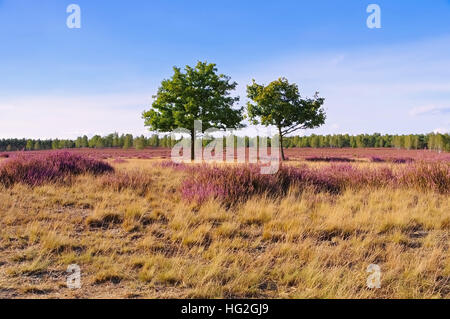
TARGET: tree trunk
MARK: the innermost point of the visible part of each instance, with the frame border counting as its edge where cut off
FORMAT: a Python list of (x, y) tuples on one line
[(192, 145), (281, 144)]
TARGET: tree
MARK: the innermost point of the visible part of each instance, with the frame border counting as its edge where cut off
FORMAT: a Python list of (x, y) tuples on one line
[(94, 141), (37, 145), (128, 141), (55, 144), (99, 143), (281, 105), (198, 93), (79, 142), (116, 140), (154, 140), (139, 143), (29, 145), (85, 141)]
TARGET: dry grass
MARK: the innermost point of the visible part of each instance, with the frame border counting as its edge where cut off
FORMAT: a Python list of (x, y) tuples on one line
[(147, 242)]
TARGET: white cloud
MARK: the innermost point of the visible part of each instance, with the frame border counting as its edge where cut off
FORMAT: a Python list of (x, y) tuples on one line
[(334, 126), (71, 116), (441, 130), (78, 101), (429, 110)]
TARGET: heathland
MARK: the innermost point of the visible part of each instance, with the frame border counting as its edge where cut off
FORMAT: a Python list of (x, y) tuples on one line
[(140, 226)]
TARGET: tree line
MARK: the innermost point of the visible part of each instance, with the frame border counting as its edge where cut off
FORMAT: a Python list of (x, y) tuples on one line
[(432, 141), (124, 141)]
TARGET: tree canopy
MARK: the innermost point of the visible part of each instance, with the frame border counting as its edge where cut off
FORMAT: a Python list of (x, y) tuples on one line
[(280, 104), (197, 94)]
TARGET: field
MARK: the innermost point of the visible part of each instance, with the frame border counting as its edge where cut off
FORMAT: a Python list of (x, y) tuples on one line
[(147, 228), (361, 154)]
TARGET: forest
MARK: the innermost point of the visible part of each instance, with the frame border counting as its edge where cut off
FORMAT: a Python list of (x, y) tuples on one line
[(432, 141)]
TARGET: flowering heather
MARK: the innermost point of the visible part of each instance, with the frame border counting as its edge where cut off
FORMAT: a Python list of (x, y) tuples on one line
[(400, 160), (395, 160), (385, 154), (328, 159), (433, 176), (48, 167), (175, 166), (106, 153), (237, 183), (229, 184)]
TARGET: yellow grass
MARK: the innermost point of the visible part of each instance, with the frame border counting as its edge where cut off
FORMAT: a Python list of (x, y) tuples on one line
[(152, 244)]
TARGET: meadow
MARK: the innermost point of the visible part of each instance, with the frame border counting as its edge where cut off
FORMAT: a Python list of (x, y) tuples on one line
[(140, 226)]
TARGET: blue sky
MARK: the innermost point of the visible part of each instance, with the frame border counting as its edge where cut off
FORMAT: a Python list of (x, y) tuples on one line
[(61, 82)]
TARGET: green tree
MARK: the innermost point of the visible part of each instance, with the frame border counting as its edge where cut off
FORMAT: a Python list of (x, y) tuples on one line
[(128, 141), (29, 145), (94, 140), (55, 144), (116, 140), (99, 143), (198, 93), (154, 140), (281, 105), (37, 145), (139, 143), (79, 142), (315, 141), (85, 141)]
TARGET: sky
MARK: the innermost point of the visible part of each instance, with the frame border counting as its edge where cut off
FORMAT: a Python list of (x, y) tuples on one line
[(57, 82)]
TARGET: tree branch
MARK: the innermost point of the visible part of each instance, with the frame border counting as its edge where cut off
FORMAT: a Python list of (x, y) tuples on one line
[(293, 129)]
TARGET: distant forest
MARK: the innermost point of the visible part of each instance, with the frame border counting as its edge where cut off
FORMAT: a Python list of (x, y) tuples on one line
[(439, 142)]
